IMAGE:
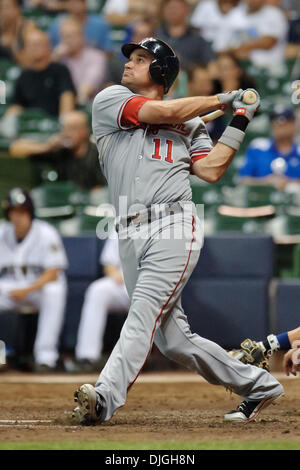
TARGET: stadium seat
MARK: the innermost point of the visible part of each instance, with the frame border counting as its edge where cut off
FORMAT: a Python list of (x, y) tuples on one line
[(9, 72), (292, 218), (260, 195), (210, 196), (35, 122), (54, 194), (246, 220)]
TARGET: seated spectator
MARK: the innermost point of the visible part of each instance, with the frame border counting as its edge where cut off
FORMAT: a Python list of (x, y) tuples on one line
[(213, 19), (260, 34), (86, 64), (43, 84), (187, 43), (231, 75), (13, 30), (103, 296), (71, 153), (200, 83), (96, 30), (275, 161), (32, 264), (138, 31)]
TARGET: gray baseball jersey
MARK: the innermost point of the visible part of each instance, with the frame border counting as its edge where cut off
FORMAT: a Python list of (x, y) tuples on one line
[(147, 164), (151, 165)]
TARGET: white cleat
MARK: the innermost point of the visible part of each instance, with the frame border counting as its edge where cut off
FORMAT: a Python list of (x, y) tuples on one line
[(89, 405), (249, 410)]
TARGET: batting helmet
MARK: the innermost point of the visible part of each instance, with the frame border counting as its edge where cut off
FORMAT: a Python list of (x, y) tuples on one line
[(165, 66), (17, 197)]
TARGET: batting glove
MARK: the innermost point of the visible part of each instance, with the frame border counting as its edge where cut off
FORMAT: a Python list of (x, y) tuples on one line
[(242, 109), (228, 98)]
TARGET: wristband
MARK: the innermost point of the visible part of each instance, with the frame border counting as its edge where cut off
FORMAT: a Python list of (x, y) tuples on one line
[(234, 134)]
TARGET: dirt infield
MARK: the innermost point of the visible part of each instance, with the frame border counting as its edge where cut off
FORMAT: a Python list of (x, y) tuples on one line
[(168, 411)]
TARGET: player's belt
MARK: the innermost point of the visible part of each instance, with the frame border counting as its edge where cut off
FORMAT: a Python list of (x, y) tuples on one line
[(155, 212)]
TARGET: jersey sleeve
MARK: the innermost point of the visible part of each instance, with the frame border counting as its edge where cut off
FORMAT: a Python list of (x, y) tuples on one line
[(110, 253), (201, 143), (108, 108), (54, 255)]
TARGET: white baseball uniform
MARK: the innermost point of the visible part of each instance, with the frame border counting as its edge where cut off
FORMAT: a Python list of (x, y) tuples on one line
[(21, 264), (102, 296)]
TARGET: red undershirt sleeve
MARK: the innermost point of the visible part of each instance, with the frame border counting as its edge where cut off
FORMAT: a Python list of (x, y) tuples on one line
[(131, 109)]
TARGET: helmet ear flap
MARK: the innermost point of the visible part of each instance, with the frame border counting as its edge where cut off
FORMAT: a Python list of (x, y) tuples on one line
[(157, 73)]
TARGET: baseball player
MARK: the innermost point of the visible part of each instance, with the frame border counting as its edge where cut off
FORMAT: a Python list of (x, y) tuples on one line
[(102, 296), (32, 260), (147, 148)]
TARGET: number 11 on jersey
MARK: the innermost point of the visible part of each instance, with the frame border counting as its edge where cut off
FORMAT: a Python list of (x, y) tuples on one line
[(157, 150)]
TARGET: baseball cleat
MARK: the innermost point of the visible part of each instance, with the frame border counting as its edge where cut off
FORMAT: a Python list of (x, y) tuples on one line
[(249, 410), (88, 407)]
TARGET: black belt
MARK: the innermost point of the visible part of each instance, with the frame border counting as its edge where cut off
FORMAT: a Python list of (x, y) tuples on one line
[(150, 214)]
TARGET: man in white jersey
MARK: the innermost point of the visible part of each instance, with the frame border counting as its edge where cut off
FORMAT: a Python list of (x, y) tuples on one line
[(103, 296), (32, 263), (147, 149)]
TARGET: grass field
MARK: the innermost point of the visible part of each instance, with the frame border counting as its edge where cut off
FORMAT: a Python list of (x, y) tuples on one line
[(223, 445)]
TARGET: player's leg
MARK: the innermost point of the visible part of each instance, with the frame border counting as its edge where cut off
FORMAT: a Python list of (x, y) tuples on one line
[(163, 266), (7, 303), (51, 301), (101, 297), (175, 340)]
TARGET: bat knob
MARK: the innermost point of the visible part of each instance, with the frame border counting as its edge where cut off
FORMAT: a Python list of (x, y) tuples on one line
[(250, 97)]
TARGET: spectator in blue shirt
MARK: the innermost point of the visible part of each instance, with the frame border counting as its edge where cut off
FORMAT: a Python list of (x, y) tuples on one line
[(95, 28), (274, 161)]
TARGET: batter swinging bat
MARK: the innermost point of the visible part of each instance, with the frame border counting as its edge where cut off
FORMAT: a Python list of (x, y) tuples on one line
[(249, 97)]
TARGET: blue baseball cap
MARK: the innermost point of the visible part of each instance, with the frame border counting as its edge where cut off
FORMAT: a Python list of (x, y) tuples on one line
[(282, 114)]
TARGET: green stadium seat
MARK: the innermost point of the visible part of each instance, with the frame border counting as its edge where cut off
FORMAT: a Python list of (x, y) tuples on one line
[(9, 73), (92, 215), (57, 195), (35, 121), (209, 195), (259, 195), (292, 221), (244, 220)]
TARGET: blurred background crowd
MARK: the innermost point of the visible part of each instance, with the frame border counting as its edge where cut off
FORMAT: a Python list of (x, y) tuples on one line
[(56, 55)]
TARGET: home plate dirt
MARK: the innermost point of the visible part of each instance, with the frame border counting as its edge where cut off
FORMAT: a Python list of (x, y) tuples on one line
[(174, 408)]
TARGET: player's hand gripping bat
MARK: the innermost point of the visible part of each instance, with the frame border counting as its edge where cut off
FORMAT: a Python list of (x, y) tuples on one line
[(249, 97)]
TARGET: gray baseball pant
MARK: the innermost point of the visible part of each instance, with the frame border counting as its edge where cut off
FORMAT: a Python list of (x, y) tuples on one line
[(156, 269)]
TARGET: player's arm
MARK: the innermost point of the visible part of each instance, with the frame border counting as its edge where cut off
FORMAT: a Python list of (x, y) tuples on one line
[(66, 102), (181, 109), (23, 148), (265, 43), (214, 165), (49, 275)]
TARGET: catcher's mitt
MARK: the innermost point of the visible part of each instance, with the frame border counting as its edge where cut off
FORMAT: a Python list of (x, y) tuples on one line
[(251, 353)]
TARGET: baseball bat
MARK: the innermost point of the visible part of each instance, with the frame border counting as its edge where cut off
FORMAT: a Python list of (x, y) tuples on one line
[(249, 97)]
